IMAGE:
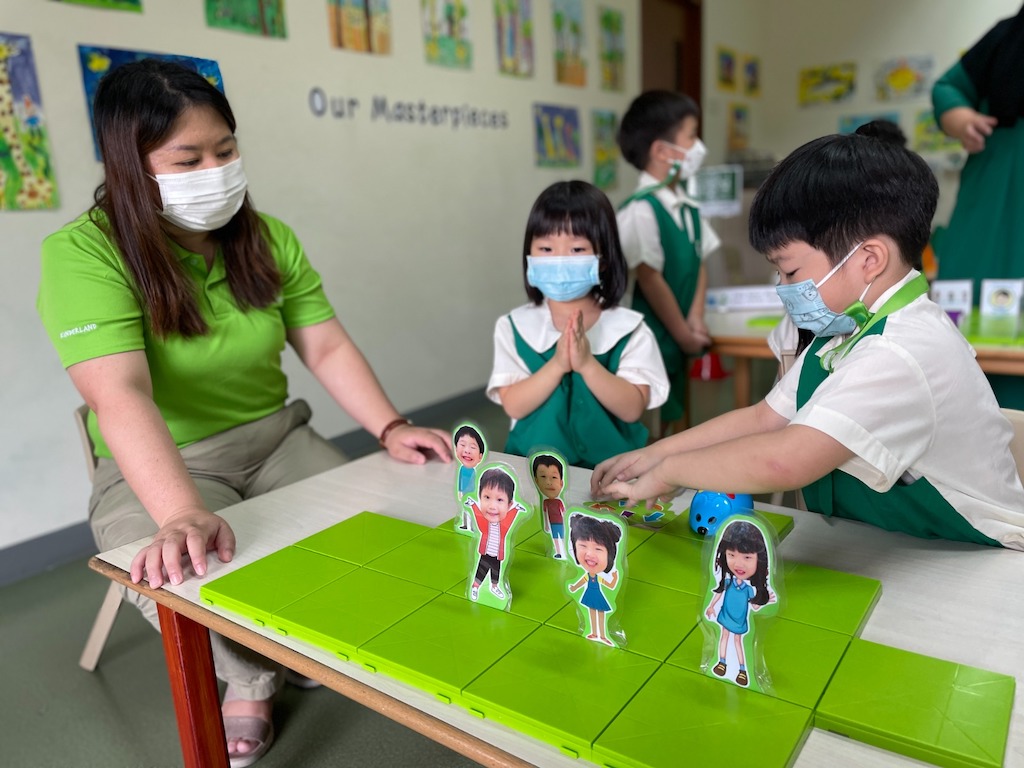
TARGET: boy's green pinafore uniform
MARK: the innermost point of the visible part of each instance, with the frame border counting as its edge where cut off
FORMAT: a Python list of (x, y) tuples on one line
[(681, 272), (571, 421), (916, 508)]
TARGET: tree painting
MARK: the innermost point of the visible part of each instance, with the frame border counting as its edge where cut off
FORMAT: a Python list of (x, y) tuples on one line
[(114, 5), (26, 174), (446, 33), (606, 149), (254, 17), (613, 50), (567, 20), (360, 25), (514, 28)]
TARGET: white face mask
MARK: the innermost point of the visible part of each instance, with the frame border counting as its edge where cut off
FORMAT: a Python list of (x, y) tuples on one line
[(693, 160), (202, 201)]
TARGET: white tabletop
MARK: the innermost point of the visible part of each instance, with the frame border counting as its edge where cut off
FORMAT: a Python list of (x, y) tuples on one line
[(938, 598)]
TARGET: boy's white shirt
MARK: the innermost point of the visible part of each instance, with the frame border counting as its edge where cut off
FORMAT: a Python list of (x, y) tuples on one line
[(640, 363), (912, 402), (638, 227)]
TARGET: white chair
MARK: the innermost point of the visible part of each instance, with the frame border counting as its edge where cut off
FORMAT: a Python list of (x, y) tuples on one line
[(108, 610), (1016, 419)]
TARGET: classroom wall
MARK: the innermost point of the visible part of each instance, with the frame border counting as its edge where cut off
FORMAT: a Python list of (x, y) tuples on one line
[(417, 230)]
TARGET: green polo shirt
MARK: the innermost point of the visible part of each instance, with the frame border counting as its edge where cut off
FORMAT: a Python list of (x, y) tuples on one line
[(203, 385)]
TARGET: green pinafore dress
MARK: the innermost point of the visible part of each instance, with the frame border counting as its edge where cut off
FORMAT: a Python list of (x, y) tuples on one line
[(572, 421), (916, 508)]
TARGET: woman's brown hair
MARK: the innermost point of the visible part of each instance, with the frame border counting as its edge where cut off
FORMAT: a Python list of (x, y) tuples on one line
[(135, 109)]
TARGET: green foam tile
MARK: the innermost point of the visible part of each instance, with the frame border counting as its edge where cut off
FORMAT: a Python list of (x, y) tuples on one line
[(669, 561), (938, 711), (444, 645), (681, 718), (559, 688), (536, 583), (655, 619), (438, 559), (341, 616), (362, 538), (782, 524), (828, 599), (259, 589), (800, 658)]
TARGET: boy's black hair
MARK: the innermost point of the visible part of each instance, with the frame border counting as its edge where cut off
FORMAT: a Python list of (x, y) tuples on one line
[(547, 460), (651, 116), (587, 528), (495, 477), (464, 430), (835, 191), (741, 536), (886, 130), (583, 210)]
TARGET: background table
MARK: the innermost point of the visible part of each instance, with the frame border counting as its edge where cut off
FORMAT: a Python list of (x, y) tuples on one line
[(953, 601)]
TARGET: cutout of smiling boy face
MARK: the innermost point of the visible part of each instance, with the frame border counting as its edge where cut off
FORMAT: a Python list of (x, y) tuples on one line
[(494, 503), (468, 451), (549, 480)]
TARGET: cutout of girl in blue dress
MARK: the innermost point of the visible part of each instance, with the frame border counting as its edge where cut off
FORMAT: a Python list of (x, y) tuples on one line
[(742, 583), (597, 542)]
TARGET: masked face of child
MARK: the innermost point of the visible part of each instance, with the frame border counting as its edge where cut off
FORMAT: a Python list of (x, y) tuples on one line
[(549, 481), (468, 451), (742, 564), (592, 556), (494, 503)]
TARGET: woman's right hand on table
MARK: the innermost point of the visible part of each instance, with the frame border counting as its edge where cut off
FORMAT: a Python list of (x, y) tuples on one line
[(192, 532)]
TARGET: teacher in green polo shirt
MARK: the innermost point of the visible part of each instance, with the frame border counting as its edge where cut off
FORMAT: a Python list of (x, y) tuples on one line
[(169, 303)]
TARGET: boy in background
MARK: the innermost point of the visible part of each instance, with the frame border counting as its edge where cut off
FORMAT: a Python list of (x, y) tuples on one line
[(664, 237)]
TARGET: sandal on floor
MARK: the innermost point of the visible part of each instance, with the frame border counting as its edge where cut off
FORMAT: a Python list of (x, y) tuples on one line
[(253, 729), (300, 681)]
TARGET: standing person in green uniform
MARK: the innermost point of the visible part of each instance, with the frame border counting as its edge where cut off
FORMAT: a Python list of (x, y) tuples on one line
[(169, 303), (885, 418), (573, 370), (664, 237), (980, 103)]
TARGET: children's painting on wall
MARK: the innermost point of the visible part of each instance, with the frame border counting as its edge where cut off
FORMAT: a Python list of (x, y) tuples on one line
[(567, 18), (827, 84), (360, 25), (26, 173), (513, 25), (114, 5), (613, 49), (909, 77), (446, 33), (928, 137), (96, 62), (738, 131), (606, 149), (752, 76), (254, 17), (556, 132), (850, 123), (725, 73)]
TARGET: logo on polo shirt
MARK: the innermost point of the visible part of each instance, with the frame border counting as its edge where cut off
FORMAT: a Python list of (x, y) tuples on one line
[(78, 330)]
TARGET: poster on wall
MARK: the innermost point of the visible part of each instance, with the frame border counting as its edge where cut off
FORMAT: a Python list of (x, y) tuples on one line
[(725, 69), (613, 49), (556, 136), (567, 20), (97, 61), (253, 17), (738, 129), (928, 137), (908, 77), (827, 84), (850, 123), (752, 76), (360, 25), (26, 173), (513, 25), (114, 5), (606, 149), (446, 33)]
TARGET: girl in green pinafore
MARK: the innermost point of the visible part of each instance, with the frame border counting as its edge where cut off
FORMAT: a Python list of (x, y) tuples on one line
[(574, 371)]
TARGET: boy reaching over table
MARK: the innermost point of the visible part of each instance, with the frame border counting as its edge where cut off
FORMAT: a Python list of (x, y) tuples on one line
[(885, 418)]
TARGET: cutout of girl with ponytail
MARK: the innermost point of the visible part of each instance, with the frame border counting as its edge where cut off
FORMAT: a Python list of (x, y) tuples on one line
[(598, 546), (744, 575)]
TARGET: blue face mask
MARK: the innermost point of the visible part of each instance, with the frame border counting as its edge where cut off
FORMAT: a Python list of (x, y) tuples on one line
[(563, 278), (807, 309)]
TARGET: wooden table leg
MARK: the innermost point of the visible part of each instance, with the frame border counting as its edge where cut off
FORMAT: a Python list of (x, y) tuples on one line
[(194, 688), (741, 381)]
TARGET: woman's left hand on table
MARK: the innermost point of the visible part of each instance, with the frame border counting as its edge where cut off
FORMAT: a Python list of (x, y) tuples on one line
[(414, 445)]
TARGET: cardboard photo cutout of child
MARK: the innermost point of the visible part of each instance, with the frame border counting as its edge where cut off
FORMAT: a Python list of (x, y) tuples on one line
[(597, 543), (549, 477), (470, 450)]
